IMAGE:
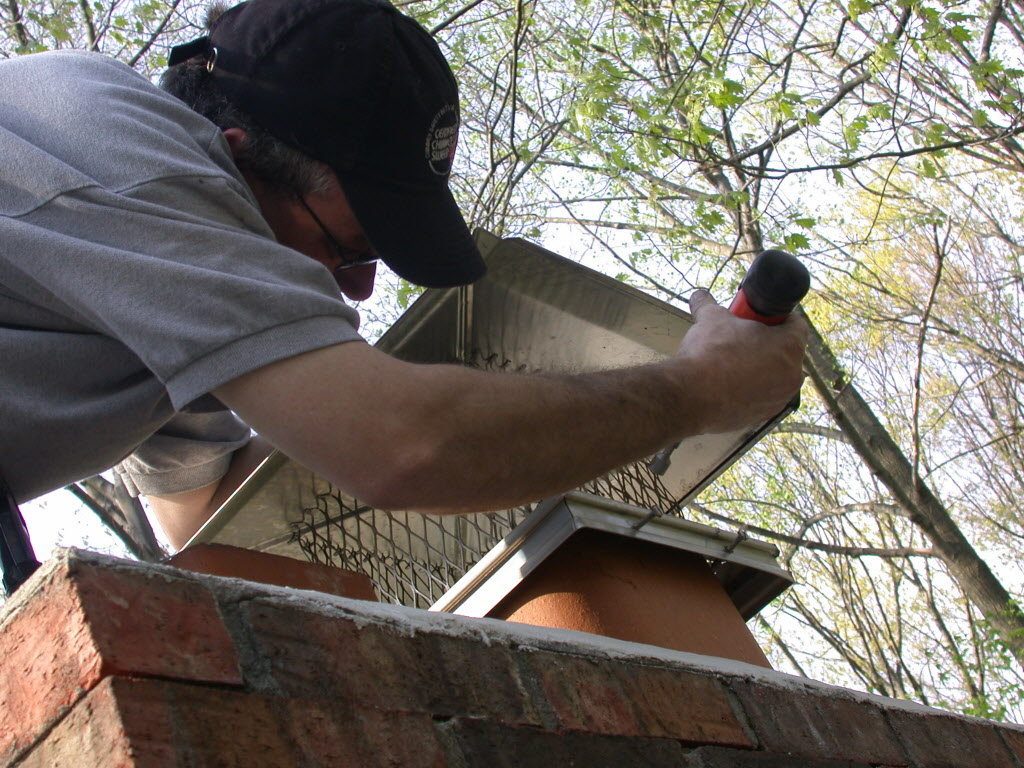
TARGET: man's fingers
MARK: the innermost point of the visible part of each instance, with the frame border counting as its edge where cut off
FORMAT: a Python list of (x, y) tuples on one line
[(700, 300)]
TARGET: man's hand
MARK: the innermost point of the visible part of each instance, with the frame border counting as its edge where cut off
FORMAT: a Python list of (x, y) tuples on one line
[(749, 371)]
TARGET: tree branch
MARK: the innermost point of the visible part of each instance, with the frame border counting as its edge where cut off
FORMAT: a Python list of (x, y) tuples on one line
[(20, 33), (455, 16), (803, 428), (90, 26), (819, 546)]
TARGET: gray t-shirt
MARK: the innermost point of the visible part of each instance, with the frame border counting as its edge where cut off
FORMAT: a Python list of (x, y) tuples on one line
[(136, 275)]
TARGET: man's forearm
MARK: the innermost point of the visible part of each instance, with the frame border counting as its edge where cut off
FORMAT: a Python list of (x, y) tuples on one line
[(449, 439), (502, 440)]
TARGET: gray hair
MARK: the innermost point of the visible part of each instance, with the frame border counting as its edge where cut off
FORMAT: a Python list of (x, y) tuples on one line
[(280, 166)]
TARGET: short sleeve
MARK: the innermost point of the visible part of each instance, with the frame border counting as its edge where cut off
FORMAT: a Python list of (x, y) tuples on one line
[(137, 275), (192, 450), (185, 273)]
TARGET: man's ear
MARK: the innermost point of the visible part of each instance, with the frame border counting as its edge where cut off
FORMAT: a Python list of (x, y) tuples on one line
[(238, 143), (237, 140)]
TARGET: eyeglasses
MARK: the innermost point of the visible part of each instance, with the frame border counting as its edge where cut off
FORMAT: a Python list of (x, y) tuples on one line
[(349, 256)]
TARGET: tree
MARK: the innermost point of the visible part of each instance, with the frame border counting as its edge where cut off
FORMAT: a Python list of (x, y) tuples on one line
[(666, 141), (697, 128)]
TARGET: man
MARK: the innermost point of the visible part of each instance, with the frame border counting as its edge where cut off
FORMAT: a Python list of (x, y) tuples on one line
[(161, 270)]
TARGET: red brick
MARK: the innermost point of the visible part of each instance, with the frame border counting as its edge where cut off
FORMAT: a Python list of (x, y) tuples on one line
[(127, 665), (309, 654), (342, 738), (718, 757), (144, 622), (227, 728), (1014, 737), (84, 621), (935, 740), (152, 723), (494, 745), (582, 695), (619, 698), (92, 734), (804, 723)]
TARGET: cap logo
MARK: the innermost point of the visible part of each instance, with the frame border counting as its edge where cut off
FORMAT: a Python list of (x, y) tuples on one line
[(442, 138)]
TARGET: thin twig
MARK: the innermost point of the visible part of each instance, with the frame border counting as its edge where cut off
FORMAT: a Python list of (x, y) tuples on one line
[(940, 257), (820, 546), (456, 16)]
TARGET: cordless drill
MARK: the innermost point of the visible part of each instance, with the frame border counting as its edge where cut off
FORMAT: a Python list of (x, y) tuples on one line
[(774, 284)]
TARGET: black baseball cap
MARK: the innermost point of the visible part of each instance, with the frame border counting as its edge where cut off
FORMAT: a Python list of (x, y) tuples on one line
[(359, 86)]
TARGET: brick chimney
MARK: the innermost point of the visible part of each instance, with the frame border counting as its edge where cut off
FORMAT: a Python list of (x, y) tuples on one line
[(114, 663)]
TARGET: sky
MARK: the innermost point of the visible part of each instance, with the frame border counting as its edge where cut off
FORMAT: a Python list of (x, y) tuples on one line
[(58, 519)]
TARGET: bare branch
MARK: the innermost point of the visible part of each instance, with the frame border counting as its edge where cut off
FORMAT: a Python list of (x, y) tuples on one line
[(122, 514), (455, 16), (156, 35), (90, 26), (820, 546), (20, 33), (803, 428), (940, 258), (840, 94), (985, 48)]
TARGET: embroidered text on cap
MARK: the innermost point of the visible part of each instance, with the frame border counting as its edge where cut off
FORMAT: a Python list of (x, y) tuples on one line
[(442, 138)]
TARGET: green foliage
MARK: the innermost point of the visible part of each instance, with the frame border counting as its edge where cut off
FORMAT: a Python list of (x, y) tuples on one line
[(853, 131), (723, 93), (856, 8), (134, 32), (406, 294), (796, 242)]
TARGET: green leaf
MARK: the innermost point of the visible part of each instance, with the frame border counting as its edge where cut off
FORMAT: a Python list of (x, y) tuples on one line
[(724, 93), (857, 7), (928, 169), (700, 133), (884, 55), (935, 133), (796, 241), (880, 111), (406, 293), (960, 34), (985, 69), (709, 219), (852, 132)]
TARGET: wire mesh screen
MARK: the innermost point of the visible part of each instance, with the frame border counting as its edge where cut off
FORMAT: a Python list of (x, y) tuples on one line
[(414, 559)]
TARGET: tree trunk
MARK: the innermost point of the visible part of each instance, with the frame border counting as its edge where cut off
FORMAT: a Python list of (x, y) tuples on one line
[(887, 461), (122, 514)]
